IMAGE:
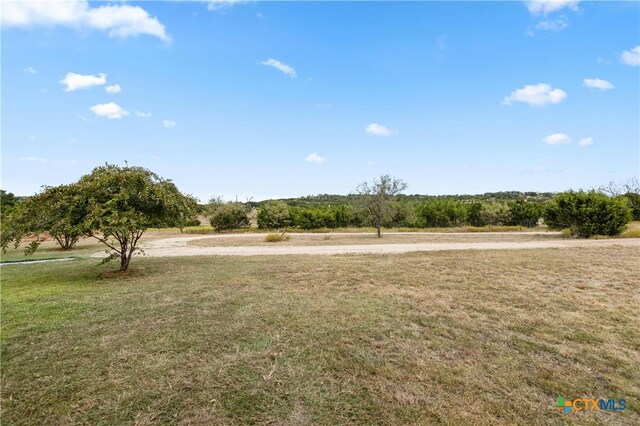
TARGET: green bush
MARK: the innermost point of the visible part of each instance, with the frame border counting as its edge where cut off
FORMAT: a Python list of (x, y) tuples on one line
[(634, 202), (524, 213), (587, 213), (229, 216), (273, 215)]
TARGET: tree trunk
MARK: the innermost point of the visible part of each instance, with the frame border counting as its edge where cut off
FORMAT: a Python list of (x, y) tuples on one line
[(378, 227)]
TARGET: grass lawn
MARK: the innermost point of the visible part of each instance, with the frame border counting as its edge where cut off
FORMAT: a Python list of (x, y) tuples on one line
[(478, 338)]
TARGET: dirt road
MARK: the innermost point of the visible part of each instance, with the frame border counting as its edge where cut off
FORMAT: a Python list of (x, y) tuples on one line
[(173, 247)]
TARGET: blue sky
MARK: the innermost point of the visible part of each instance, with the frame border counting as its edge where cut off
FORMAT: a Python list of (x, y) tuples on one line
[(278, 99)]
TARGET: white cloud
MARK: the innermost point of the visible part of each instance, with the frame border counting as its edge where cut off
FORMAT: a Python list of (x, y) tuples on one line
[(113, 89), (30, 70), (545, 7), (118, 20), (553, 25), (631, 57), (315, 158), (586, 142), (536, 95), (142, 114), (280, 67), (596, 83), (75, 81), (222, 4), (33, 159), (556, 139), (110, 110), (169, 124), (378, 130)]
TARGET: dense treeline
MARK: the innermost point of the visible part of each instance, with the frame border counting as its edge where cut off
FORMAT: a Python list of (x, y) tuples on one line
[(433, 213)]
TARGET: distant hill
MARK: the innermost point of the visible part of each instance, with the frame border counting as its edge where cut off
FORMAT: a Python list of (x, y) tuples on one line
[(333, 199)]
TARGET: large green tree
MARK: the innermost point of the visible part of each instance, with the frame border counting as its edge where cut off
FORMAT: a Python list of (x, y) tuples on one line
[(377, 196), (123, 202)]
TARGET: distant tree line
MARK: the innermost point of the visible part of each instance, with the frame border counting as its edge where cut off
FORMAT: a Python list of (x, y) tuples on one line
[(434, 213)]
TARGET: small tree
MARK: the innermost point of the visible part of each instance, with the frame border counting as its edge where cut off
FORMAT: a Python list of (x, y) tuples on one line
[(273, 215), (56, 211), (587, 213), (229, 216), (123, 202), (377, 197)]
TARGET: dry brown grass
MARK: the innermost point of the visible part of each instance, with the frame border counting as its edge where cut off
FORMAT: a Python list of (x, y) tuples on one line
[(454, 338), (362, 238)]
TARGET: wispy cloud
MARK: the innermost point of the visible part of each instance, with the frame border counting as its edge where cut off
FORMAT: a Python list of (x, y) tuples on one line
[(113, 88), (315, 158), (142, 114), (631, 57), (545, 7), (586, 142), (596, 83), (33, 159), (280, 67), (556, 25), (169, 124), (110, 111), (378, 130), (30, 70), (556, 139), (75, 81), (536, 95), (222, 4), (118, 20)]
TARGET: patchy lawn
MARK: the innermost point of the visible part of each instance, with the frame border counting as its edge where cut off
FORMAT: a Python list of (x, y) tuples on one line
[(483, 337)]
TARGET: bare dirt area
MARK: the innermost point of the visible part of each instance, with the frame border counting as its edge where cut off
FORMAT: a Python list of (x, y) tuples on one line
[(335, 243)]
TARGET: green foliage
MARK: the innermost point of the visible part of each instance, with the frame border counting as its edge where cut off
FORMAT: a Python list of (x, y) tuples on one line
[(474, 214), (7, 201), (495, 213), (273, 215), (229, 216), (275, 238), (524, 213), (586, 214), (376, 198), (633, 199), (56, 211), (313, 218), (442, 212), (123, 202)]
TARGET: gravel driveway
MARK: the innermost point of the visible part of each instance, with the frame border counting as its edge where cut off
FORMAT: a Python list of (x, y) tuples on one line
[(173, 247)]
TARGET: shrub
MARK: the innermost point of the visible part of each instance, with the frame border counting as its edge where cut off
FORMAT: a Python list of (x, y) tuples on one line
[(634, 202), (524, 213), (193, 222), (442, 212), (587, 213), (229, 216), (273, 215), (495, 213), (274, 238)]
